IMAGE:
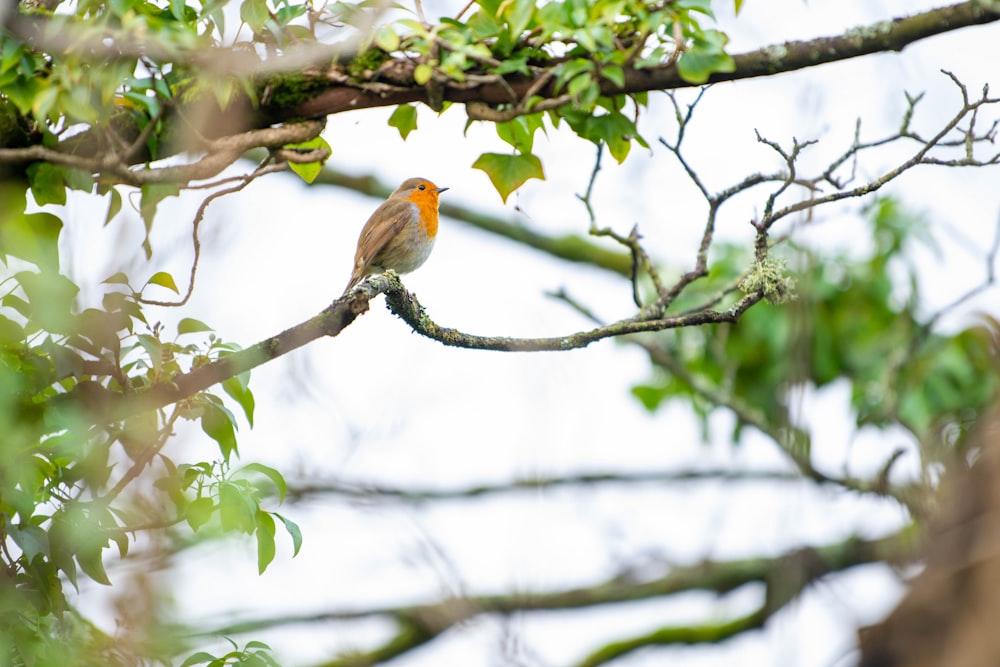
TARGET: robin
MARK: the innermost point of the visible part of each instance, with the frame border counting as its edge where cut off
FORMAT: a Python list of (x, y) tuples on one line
[(401, 232)]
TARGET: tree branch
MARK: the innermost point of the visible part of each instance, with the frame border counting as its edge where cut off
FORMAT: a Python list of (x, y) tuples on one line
[(883, 36), (420, 623), (365, 491), (107, 406), (335, 90), (405, 305)]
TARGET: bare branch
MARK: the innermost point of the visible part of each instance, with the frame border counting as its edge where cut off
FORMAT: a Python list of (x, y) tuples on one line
[(376, 492), (425, 621), (199, 216)]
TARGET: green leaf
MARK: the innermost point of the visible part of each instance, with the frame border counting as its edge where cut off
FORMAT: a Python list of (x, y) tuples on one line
[(270, 473), (163, 279), (237, 508), (50, 297), (22, 92), (265, 541), (90, 558), (705, 57), (32, 540), (293, 530), (33, 237), (422, 73), (614, 74), (703, 6), (520, 132), (78, 179), (616, 131), (152, 195), (217, 423), (404, 119), (190, 325), (308, 171), (11, 333), (48, 183), (199, 512), (238, 388), (650, 397), (11, 53), (518, 14), (572, 69), (114, 205), (509, 172), (117, 279), (255, 13), (198, 658), (386, 38)]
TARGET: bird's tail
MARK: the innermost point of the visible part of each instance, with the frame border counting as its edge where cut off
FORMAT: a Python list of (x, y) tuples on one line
[(355, 279)]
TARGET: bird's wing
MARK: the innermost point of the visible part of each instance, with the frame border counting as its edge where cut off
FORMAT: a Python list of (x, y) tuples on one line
[(375, 236)]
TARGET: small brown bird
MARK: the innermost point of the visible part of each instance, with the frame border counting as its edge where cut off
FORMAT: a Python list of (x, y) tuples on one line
[(400, 233)]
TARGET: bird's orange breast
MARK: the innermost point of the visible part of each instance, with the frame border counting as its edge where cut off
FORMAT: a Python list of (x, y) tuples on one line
[(427, 205)]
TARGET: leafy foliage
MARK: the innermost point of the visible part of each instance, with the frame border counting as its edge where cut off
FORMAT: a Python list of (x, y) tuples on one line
[(67, 466), (134, 62), (851, 321)]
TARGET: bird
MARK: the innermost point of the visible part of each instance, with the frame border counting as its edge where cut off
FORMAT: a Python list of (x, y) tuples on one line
[(400, 234)]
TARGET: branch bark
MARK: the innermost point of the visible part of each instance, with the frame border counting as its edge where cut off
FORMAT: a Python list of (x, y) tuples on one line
[(893, 35), (785, 576), (106, 406), (334, 91)]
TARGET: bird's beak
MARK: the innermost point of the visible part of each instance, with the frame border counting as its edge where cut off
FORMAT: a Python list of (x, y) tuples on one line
[(440, 190)]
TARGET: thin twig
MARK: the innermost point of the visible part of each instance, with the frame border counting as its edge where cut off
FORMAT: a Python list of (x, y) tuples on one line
[(244, 181)]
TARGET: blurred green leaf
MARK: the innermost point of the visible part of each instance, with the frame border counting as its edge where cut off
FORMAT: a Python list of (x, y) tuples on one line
[(386, 38), (238, 388), (198, 658), (255, 14), (117, 279), (279, 482), (293, 530), (218, 424), (199, 512), (114, 205), (265, 541), (33, 237), (152, 194), (190, 325), (50, 298), (32, 540), (48, 185), (422, 73), (237, 508)]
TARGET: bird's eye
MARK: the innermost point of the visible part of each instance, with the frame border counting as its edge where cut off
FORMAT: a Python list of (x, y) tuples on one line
[(421, 187)]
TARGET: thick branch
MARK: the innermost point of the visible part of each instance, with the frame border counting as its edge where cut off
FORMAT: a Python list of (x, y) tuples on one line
[(883, 36), (785, 575), (362, 490), (335, 91), (219, 154)]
